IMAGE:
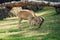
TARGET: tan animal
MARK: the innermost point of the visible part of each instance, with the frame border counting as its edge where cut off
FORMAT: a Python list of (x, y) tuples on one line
[(29, 15), (37, 21)]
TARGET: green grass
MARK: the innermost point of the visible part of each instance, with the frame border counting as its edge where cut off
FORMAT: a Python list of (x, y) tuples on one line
[(52, 36), (51, 26), (46, 9)]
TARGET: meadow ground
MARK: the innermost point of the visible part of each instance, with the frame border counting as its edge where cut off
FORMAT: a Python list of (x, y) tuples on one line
[(50, 30)]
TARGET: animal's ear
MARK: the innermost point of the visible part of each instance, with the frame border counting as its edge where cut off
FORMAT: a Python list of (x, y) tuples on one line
[(41, 18)]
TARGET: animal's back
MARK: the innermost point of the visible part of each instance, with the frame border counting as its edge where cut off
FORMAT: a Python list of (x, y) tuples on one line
[(26, 14)]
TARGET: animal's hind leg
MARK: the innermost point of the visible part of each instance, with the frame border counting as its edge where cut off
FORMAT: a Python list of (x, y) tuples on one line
[(19, 24)]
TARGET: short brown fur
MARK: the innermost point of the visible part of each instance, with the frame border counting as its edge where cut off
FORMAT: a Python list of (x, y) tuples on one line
[(29, 15)]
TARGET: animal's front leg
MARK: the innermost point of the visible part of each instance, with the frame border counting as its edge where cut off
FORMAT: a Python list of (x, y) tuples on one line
[(29, 21), (31, 24), (19, 24)]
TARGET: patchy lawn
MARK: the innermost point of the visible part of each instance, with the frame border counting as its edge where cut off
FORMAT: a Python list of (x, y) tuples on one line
[(50, 30)]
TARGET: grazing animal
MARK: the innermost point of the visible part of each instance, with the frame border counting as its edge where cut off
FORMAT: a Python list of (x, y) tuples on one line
[(30, 15), (37, 21)]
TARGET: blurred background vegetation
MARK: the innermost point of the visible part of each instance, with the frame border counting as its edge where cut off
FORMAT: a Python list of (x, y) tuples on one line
[(5, 12)]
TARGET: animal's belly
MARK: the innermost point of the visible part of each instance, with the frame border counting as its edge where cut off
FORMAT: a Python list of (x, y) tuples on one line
[(25, 18)]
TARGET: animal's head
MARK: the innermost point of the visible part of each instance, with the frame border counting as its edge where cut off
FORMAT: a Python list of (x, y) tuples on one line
[(37, 20)]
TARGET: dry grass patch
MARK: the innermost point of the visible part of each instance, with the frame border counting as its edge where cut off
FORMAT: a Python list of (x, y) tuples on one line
[(33, 33), (44, 13)]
